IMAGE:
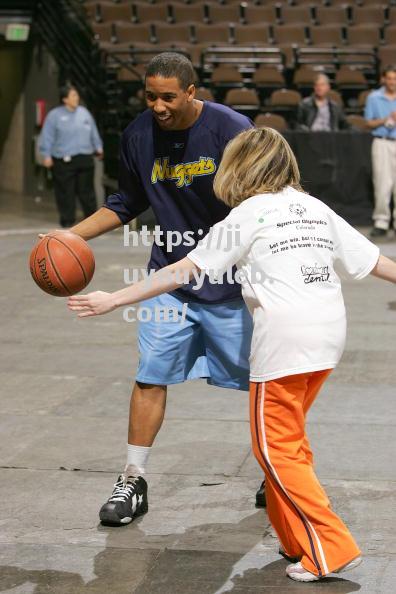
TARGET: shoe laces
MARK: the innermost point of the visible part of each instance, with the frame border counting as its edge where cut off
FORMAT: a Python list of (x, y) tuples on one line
[(123, 488)]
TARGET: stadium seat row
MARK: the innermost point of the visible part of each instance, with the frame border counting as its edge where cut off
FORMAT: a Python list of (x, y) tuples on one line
[(194, 39), (89, 3), (211, 12), (223, 33), (272, 120), (268, 78), (278, 111)]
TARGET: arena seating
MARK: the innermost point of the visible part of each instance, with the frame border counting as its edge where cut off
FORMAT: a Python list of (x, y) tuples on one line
[(271, 120), (257, 56)]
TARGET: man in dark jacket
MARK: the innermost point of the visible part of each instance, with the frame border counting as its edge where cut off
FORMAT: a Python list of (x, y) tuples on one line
[(318, 112)]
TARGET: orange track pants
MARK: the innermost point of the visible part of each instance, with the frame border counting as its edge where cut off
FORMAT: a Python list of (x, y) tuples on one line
[(297, 506)]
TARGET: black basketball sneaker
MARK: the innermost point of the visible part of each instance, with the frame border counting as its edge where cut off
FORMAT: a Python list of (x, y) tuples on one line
[(128, 501), (260, 496)]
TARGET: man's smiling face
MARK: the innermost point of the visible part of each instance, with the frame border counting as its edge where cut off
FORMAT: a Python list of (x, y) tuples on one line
[(169, 102)]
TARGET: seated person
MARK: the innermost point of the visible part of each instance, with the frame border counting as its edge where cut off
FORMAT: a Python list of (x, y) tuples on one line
[(318, 112)]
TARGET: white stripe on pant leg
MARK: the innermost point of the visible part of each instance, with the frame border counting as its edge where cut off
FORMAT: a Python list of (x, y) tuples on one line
[(323, 559)]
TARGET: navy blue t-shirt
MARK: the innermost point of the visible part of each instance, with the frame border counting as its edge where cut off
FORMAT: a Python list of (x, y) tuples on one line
[(173, 172)]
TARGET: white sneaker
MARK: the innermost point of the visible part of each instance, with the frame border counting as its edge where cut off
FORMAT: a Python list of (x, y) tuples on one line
[(351, 565), (297, 572)]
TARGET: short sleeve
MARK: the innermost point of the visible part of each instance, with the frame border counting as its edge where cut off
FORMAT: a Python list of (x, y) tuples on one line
[(130, 200), (47, 135), (225, 245), (95, 137), (356, 254)]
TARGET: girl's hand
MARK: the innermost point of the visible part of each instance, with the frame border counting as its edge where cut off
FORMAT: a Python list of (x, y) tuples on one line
[(93, 304)]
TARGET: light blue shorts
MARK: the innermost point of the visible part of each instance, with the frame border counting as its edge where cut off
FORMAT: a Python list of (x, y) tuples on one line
[(212, 343)]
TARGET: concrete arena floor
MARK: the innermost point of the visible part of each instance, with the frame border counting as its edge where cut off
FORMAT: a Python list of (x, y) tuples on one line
[(65, 387)]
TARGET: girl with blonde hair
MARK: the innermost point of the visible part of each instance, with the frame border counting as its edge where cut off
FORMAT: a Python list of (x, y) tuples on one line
[(288, 247)]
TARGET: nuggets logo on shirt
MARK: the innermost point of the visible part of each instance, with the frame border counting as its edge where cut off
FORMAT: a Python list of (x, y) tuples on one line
[(183, 173)]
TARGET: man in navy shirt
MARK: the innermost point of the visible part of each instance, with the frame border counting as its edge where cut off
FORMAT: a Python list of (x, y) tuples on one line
[(168, 158)]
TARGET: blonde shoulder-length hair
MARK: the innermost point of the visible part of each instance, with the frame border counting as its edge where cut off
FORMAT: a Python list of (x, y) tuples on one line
[(257, 161)]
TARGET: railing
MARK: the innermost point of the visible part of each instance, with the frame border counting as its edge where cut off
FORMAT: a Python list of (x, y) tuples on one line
[(362, 59), (246, 55), (130, 58), (63, 28)]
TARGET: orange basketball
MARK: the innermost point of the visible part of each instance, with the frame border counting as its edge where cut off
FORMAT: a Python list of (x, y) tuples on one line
[(62, 263)]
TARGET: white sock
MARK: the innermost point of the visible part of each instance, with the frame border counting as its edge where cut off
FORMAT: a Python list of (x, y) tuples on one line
[(137, 459)]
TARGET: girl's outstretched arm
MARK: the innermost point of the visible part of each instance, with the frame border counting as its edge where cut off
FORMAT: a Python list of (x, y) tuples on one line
[(385, 269), (164, 280)]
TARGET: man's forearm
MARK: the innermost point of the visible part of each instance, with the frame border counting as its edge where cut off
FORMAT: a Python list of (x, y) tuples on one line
[(372, 124), (100, 222)]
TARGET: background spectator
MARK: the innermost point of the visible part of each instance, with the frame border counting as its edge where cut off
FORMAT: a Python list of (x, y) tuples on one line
[(318, 112), (380, 114), (68, 141)]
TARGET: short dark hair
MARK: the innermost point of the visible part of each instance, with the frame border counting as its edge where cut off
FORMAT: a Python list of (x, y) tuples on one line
[(65, 90), (172, 65), (388, 68)]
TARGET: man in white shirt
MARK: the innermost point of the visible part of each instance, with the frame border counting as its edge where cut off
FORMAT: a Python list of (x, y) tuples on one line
[(380, 114)]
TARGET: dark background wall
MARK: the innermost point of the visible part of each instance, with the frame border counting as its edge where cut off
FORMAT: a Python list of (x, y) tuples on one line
[(27, 73), (13, 58), (41, 83)]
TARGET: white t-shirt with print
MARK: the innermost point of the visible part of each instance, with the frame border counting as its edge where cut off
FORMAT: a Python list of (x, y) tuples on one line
[(287, 247)]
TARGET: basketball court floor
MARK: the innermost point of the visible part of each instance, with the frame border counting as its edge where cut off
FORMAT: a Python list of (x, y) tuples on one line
[(65, 387)]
